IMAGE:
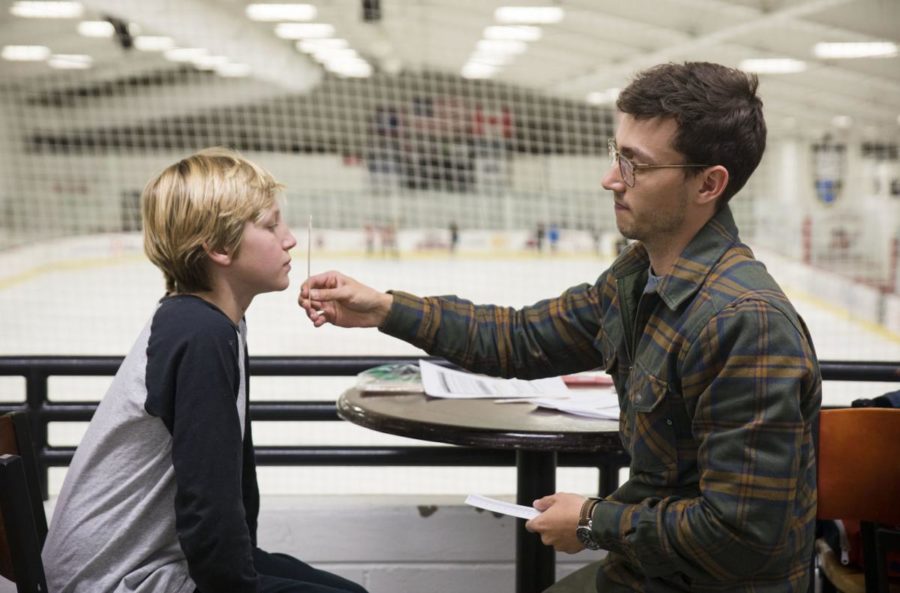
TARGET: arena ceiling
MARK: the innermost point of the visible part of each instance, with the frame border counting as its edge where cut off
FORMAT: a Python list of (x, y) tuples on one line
[(595, 48)]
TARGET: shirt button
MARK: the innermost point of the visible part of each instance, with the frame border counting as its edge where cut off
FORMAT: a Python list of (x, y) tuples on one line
[(637, 398), (669, 421)]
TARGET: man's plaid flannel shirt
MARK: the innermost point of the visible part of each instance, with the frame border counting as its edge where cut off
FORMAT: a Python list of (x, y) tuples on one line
[(719, 389)]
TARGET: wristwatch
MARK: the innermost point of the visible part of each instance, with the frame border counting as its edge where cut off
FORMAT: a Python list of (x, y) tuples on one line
[(585, 531)]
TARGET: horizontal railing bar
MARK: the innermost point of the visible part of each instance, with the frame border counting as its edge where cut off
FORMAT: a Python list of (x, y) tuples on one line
[(259, 365), (851, 370), (321, 410), (393, 456), (847, 370)]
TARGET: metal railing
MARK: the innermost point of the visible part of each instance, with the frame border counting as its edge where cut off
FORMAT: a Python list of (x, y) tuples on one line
[(38, 369)]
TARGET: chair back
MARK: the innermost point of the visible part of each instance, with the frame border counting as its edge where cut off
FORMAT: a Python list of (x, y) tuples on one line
[(23, 524), (859, 465)]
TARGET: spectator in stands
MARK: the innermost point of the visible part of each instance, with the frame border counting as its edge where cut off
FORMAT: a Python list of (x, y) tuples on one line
[(539, 233), (454, 236), (718, 382), (553, 237), (369, 232), (161, 494), (389, 241)]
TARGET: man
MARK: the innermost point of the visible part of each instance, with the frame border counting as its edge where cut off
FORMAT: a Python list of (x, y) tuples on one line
[(717, 378)]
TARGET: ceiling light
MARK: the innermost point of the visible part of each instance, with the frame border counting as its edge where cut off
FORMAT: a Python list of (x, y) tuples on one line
[(476, 70), (861, 49), (352, 69), (25, 53), (233, 70), (331, 55), (96, 29), (606, 97), (507, 46), (489, 58), (516, 33), (280, 12), (529, 15), (772, 65), (341, 61), (304, 30), (185, 54), (70, 61), (153, 43), (208, 62), (312, 45), (47, 10), (842, 121)]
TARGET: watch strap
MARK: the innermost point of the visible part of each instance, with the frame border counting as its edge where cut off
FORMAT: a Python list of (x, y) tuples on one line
[(587, 510)]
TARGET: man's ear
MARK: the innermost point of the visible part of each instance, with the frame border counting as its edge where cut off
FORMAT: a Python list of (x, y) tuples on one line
[(713, 182), (217, 256)]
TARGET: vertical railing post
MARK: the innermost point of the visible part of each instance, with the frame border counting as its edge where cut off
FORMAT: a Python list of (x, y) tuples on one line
[(35, 398)]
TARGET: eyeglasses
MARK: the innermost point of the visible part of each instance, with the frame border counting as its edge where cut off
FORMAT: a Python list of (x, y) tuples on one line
[(628, 168)]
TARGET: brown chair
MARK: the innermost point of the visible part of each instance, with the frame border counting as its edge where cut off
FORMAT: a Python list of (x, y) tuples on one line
[(859, 479), (23, 524)]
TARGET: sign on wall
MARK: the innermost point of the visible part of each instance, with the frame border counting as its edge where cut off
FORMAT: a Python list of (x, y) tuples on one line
[(829, 165)]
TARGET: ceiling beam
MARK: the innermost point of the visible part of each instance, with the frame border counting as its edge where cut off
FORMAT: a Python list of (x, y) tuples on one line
[(613, 75), (193, 23)]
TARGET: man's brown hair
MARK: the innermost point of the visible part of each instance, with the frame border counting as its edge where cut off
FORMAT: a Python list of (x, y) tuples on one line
[(719, 116)]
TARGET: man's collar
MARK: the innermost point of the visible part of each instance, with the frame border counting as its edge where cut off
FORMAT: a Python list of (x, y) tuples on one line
[(694, 263)]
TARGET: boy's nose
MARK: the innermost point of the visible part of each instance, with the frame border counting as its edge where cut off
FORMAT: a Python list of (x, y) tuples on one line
[(290, 241)]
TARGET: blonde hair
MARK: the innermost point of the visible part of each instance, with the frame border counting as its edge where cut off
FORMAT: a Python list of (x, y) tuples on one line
[(201, 202)]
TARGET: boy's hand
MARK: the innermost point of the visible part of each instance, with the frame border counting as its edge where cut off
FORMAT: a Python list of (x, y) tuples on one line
[(558, 521), (342, 301)]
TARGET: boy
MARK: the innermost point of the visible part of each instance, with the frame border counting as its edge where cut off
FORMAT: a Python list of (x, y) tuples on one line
[(161, 495)]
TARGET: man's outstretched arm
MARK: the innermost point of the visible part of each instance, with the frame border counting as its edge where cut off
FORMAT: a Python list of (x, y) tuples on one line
[(332, 297)]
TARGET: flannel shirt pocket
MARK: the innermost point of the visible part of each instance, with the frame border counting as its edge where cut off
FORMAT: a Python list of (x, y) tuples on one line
[(653, 444)]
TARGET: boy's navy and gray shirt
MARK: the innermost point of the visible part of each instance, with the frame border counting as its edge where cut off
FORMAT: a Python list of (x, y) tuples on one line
[(161, 494)]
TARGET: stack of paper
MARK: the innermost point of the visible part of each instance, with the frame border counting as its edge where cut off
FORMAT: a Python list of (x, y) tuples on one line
[(552, 393), (603, 405), (443, 382)]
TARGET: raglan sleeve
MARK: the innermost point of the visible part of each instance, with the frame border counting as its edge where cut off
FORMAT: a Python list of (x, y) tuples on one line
[(199, 379)]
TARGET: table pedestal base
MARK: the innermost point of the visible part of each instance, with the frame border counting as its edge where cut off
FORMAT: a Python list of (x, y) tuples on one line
[(535, 562)]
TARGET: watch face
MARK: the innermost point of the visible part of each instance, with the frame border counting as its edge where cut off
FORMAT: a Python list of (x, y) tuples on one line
[(586, 537)]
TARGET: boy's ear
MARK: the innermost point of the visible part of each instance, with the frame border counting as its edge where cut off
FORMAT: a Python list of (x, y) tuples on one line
[(217, 256)]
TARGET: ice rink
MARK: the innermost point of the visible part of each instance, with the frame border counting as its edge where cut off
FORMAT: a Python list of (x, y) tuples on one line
[(97, 303)]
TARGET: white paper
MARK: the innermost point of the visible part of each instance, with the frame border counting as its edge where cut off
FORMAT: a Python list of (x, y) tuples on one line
[(448, 383), (502, 507), (602, 404)]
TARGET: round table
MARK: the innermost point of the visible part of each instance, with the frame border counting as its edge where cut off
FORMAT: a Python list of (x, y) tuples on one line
[(536, 434)]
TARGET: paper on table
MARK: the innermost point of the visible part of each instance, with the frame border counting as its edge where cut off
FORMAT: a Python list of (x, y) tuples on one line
[(600, 404), (502, 507), (442, 382)]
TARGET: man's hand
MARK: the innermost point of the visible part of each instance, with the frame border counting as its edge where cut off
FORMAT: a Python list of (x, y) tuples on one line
[(558, 521), (340, 300)]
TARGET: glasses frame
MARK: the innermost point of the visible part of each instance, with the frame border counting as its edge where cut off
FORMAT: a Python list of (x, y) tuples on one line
[(628, 168)]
